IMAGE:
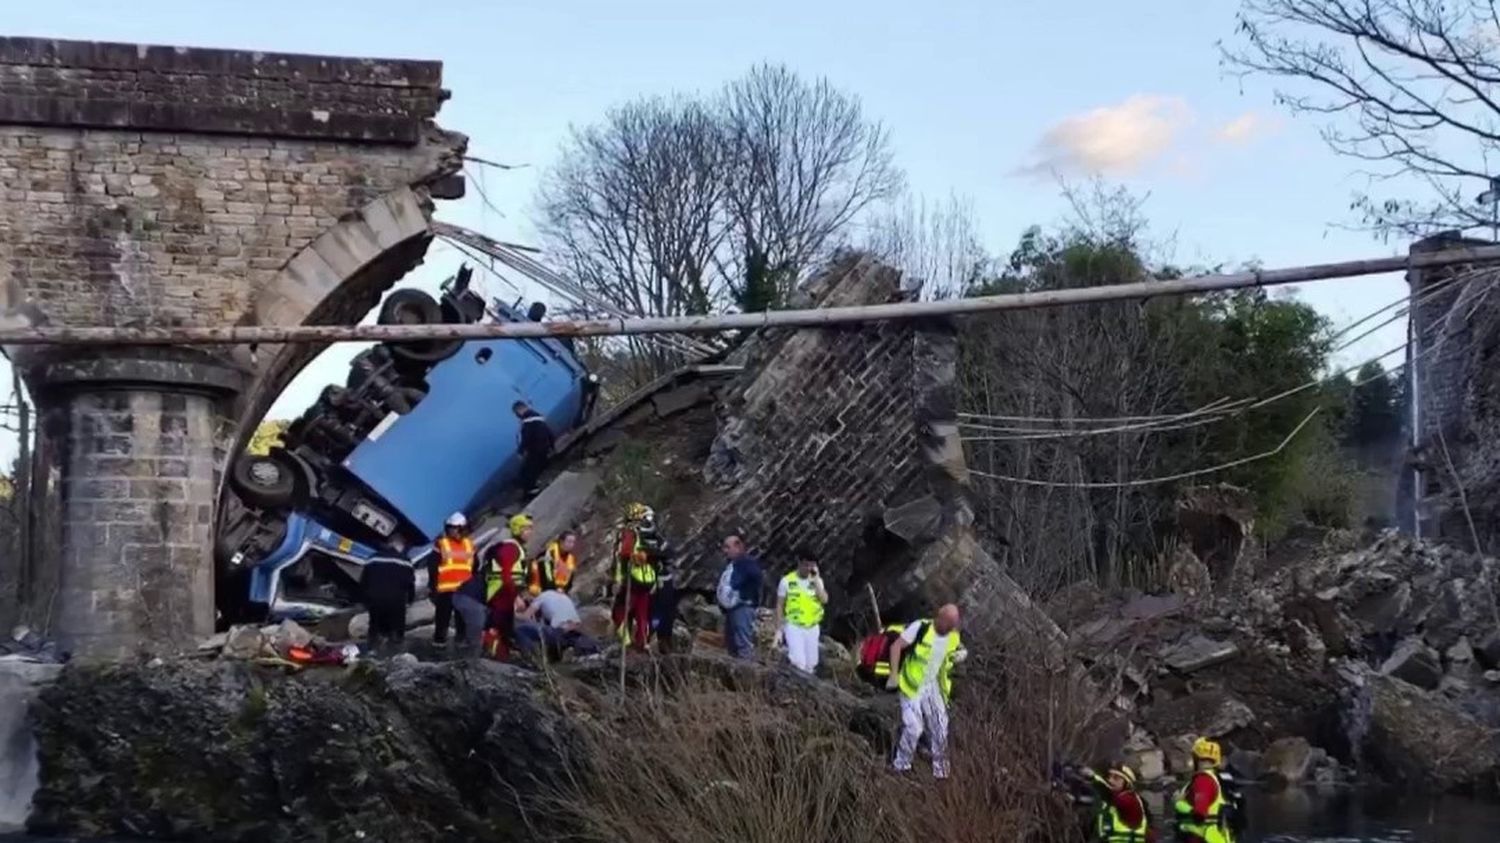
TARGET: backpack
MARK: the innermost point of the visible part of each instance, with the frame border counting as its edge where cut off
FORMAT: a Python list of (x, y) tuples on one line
[(875, 653)]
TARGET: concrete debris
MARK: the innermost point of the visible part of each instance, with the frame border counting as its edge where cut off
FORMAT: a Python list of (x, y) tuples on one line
[(286, 635), (244, 643), (1287, 760), (1150, 765), (1198, 652), (1208, 713), (1415, 663), (26, 645)]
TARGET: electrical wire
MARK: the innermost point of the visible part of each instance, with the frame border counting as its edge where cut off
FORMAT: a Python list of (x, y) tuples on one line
[(1411, 300)]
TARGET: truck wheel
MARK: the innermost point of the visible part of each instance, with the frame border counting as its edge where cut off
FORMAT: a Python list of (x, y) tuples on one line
[(414, 307), (409, 307), (263, 481)]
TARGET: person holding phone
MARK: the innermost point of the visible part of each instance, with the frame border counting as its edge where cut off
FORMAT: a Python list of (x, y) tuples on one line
[(800, 598)]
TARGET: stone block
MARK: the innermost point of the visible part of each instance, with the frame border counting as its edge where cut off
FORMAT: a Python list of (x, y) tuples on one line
[(1288, 760), (1413, 662)]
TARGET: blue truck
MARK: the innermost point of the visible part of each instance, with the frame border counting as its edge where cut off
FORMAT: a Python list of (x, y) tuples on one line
[(372, 468)]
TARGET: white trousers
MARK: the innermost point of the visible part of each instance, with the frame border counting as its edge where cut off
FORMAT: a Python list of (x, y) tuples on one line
[(802, 646), (929, 713)]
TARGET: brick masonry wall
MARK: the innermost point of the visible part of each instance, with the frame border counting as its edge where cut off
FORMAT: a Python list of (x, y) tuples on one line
[(92, 84), (137, 509), (127, 228), (1457, 350), (820, 437)]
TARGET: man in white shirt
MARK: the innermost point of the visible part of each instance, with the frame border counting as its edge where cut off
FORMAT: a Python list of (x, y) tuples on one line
[(922, 661), (550, 622), (800, 597)]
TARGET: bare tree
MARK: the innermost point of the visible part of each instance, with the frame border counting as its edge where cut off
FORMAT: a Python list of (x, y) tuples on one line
[(805, 162), (632, 212), (934, 244), (1408, 87)]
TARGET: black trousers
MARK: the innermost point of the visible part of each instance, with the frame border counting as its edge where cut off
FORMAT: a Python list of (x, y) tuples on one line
[(443, 617), (387, 589), (532, 466), (664, 607)]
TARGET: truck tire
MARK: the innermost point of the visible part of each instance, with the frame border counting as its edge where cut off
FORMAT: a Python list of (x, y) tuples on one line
[(263, 481), (409, 307), (414, 307)]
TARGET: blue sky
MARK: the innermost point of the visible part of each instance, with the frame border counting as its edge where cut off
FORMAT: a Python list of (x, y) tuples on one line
[(972, 92)]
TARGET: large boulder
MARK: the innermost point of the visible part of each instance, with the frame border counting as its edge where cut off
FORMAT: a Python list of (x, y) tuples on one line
[(395, 753), (1423, 741), (1288, 760), (1414, 662), (1209, 713)]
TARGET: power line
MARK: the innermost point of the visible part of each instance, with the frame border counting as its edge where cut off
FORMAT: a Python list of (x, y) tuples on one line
[(1412, 299), (1151, 481)]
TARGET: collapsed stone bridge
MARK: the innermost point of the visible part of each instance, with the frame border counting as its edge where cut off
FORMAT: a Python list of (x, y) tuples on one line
[(172, 186)]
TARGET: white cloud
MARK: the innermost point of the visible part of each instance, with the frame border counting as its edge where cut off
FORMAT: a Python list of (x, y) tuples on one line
[(1113, 140), (1247, 127)]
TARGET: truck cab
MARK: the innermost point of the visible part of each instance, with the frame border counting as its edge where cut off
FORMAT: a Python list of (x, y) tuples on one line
[(373, 467)]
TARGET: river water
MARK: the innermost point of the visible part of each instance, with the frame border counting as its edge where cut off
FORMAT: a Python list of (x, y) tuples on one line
[(1302, 816)]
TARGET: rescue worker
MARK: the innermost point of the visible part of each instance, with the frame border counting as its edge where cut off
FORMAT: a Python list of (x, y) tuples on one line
[(664, 598), (504, 581), (553, 570), (389, 585), (923, 659), (738, 594), (1121, 817), (535, 448), (452, 567), (548, 624), (1200, 805), (800, 597), (633, 578)]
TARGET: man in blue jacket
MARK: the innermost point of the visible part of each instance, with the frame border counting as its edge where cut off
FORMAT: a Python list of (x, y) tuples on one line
[(739, 596)]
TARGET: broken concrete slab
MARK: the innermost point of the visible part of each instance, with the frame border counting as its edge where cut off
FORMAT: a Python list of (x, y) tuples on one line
[(1414, 663), (20, 682), (1210, 713), (915, 522), (1150, 765), (675, 401), (1152, 606), (244, 642), (1198, 652)]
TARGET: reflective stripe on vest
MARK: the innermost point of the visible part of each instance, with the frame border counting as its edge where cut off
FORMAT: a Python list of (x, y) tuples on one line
[(455, 564), (1186, 822), (1111, 828), (803, 608), (641, 569), (914, 660), (555, 569), (494, 577)]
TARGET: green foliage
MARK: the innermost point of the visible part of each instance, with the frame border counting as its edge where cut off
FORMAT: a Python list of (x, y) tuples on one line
[(1086, 513), (1375, 408)]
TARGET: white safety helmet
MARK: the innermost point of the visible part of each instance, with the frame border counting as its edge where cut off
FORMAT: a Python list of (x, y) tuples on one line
[(457, 519)]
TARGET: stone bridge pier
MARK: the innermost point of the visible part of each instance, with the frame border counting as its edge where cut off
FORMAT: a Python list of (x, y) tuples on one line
[(149, 186)]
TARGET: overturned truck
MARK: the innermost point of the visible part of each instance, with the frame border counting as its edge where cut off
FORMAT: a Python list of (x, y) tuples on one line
[(373, 467)]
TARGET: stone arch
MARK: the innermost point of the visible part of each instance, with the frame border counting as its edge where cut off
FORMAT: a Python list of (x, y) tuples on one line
[(334, 280)]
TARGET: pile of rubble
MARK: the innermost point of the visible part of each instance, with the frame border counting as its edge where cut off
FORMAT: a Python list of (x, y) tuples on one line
[(1382, 662)]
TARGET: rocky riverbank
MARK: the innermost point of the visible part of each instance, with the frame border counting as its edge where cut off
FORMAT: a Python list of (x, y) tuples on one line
[(391, 751), (1379, 662)]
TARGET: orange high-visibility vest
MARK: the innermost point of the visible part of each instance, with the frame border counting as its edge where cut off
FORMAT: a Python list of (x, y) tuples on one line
[(455, 564), (554, 570)]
